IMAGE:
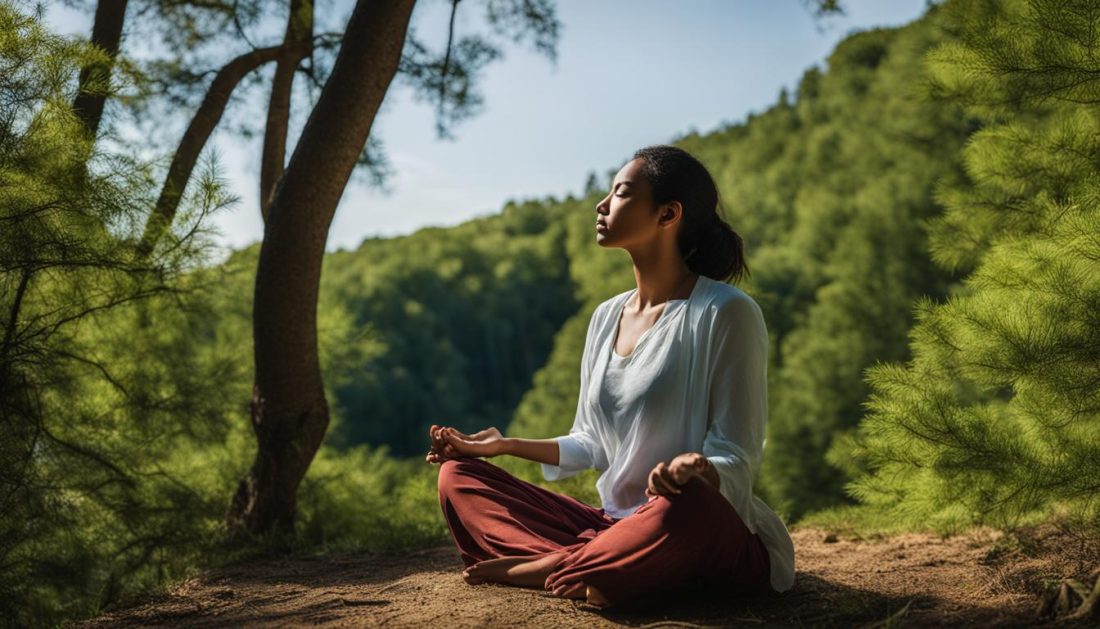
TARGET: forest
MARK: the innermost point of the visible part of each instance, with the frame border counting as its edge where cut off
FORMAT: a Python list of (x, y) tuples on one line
[(922, 224)]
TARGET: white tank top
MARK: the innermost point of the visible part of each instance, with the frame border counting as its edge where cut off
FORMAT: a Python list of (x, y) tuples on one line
[(617, 395)]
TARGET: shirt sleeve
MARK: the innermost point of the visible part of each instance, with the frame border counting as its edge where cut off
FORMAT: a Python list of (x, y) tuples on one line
[(737, 400), (581, 448)]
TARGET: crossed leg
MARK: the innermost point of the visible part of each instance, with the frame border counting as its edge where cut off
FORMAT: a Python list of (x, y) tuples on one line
[(691, 539), (509, 530), (512, 531)]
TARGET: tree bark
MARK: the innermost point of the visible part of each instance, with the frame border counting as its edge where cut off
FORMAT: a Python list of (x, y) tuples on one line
[(297, 45), (195, 138), (289, 410), (106, 34)]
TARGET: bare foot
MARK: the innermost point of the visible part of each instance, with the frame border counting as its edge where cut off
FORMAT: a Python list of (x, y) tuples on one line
[(591, 595), (521, 571), (577, 590)]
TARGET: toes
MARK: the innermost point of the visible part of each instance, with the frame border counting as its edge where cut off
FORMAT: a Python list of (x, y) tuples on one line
[(472, 576), (576, 590)]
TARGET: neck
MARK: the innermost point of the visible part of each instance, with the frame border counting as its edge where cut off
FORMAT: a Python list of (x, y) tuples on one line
[(659, 283)]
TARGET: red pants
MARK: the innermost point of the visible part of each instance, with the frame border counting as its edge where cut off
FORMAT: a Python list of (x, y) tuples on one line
[(693, 539)]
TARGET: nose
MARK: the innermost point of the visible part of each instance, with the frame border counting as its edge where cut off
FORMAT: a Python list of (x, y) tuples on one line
[(600, 206)]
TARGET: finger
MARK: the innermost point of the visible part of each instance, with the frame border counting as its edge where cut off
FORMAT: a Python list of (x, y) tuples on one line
[(673, 482), (666, 479), (659, 487), (455, 444), (684, 473), (674, 469), (678, 474)]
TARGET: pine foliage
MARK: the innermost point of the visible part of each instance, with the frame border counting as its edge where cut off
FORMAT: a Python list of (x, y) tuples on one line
[(997, 416)]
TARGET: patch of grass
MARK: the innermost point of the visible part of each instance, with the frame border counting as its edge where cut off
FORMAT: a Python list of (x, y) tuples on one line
[(855, 522)]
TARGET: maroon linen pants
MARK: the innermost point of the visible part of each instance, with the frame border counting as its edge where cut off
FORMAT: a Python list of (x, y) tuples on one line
[(694, 538)]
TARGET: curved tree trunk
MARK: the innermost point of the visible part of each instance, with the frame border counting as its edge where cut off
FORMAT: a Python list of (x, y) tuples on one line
[(297, 45), (289, 410), (194, 139), (106, 34)]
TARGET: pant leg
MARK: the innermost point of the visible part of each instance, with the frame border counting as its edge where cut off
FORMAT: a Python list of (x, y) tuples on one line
[(695, 537), (492, 513)]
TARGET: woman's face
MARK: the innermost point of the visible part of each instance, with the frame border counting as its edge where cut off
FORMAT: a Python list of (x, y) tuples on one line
[(626, 215)]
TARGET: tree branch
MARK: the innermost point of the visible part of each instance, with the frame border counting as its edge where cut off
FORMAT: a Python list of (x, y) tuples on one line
[(297, 45), (194, 139), (106, 34)]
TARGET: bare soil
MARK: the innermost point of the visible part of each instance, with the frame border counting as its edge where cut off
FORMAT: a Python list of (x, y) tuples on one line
[(981, 578)]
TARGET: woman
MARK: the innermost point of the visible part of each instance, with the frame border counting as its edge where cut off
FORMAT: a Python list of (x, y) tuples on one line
[(672, 411)]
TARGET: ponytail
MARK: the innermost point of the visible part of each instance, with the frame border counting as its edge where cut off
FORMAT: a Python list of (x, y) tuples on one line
[(709, 245)]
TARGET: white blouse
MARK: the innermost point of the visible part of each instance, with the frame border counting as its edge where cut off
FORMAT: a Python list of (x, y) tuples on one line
[(696, 381)]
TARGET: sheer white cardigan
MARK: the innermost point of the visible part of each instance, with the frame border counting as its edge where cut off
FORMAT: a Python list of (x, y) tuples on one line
[(699, 383)]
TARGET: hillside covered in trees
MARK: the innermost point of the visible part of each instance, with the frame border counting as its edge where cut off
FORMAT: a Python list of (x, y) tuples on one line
[(922, 225)]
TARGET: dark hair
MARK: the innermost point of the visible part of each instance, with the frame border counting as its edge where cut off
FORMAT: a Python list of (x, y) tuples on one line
[(707, 242)]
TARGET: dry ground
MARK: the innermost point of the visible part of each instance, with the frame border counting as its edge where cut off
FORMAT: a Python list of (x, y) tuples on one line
[(982, 578)]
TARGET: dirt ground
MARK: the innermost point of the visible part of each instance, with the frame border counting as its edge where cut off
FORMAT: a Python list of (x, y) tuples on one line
[(982, 578)]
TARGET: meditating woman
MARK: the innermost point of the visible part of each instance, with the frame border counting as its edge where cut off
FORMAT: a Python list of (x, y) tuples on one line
[(672, 411)]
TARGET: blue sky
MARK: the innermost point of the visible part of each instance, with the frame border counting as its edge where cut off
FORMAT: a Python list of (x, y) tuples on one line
[(629, 73)]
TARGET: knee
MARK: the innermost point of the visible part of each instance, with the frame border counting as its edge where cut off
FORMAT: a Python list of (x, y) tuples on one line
[(453, 469), (683, 510)]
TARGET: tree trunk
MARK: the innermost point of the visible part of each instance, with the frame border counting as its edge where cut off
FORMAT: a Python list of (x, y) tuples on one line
[(194, 139), (106, 34), (289, 410), (297, 45)]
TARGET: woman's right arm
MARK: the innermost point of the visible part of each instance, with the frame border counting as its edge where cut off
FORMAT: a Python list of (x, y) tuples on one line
[(581, 448), (538, 450), (449, 443)]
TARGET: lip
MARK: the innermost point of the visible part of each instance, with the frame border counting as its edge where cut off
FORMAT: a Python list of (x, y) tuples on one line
[(601, 226)]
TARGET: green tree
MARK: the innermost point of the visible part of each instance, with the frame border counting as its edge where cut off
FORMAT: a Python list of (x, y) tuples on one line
[(997, 415), (83, 507)]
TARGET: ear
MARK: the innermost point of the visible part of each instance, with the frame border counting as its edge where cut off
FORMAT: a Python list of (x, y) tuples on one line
[(671, 212)]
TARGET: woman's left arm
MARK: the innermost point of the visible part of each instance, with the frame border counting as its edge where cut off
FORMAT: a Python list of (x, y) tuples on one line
[(737, 399)]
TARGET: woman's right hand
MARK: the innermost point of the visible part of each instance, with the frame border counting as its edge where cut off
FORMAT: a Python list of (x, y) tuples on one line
[(450, 443)]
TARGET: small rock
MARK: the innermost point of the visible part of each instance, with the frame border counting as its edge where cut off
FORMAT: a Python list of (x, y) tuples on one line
[(830, 538)]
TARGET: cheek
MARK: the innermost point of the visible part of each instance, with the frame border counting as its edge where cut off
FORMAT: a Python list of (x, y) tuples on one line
[(622, 212)]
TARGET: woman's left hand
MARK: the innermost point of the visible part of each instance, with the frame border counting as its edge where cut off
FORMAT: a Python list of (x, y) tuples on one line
[(668, 478)]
